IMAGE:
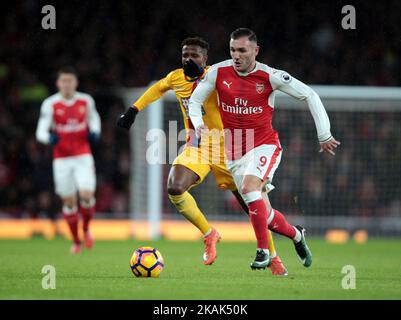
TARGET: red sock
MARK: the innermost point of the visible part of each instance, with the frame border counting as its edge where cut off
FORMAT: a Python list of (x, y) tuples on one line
[(258, 216), (281, 226), (72, 220), (87, 215)]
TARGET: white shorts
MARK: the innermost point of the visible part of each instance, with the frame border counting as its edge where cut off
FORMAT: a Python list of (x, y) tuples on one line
[(74, 173), (261, 162)]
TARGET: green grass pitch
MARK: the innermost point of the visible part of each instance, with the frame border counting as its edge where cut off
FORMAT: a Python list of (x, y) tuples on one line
[(104, 272)]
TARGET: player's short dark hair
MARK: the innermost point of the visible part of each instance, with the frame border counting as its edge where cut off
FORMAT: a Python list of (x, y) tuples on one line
[(244, 32), (195, 41), (67, 70)]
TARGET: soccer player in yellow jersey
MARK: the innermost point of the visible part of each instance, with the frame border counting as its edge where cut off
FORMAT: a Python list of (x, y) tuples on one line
[(193, 165)]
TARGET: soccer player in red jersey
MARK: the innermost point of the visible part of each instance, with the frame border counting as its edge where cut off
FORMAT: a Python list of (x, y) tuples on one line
[(193, 165), (246, 90), (69, 121)]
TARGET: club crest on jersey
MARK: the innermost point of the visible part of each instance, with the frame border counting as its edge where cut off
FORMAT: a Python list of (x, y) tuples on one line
[(260, 88)]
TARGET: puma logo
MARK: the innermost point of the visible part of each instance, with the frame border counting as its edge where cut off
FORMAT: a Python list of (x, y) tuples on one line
[(227, 84), (253, 212)]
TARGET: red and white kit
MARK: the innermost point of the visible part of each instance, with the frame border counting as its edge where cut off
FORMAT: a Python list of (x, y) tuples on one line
[(71, 120), (246, 103)]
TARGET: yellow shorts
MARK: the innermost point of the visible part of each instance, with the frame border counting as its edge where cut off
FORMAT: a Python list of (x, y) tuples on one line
[(196, 161)]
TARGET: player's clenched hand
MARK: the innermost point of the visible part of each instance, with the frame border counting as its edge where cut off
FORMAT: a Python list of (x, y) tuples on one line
[(201, 130), (127, 119), (329, 146)]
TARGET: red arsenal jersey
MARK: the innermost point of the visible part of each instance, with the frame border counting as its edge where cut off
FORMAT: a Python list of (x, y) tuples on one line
[(246, 104), (245, 110), (70, 120)]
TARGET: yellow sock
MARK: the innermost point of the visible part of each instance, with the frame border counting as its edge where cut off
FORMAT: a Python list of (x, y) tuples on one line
[(187, 206), (272, 249)]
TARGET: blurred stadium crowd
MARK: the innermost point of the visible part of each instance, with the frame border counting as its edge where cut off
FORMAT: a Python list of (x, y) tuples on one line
[(362, 180), (131, 43)]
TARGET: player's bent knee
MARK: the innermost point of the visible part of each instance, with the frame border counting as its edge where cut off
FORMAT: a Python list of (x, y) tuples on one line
[(247, 188), (86, 194), (176, 189), (87, 202), (86, 198), (70, 202), (250, 185)]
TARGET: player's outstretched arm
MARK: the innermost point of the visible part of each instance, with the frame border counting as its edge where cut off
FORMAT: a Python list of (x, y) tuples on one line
[(154, 93), (282, 81), (43, 134), (94, 121)]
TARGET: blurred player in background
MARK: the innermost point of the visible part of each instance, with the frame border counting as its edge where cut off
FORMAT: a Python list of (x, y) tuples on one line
[(246, 90), (191, 167), (69, 121)]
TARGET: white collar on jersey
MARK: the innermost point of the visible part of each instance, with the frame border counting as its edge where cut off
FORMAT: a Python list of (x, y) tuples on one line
[(244, 74), (69, 101)]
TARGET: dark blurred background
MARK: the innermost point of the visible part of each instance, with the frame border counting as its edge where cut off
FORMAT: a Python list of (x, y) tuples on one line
[(131, 43)]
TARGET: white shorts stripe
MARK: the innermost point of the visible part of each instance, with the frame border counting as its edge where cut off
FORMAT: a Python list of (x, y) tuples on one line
[(261, 162)]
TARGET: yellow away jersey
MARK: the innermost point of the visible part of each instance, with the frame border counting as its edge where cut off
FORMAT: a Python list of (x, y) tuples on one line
[(177, 81)]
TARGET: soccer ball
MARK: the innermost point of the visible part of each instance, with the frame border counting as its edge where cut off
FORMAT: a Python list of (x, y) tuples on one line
[(146, 262)]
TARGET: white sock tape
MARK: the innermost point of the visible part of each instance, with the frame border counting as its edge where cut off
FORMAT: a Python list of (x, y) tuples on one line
[(252, 196), (271, 216)]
